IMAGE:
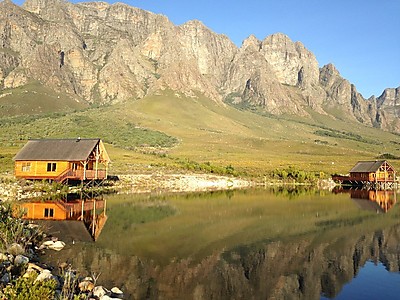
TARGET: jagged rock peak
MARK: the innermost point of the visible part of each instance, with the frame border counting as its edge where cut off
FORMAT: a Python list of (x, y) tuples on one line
[(292, 63), (330, 69), (195, 23), (8, 3), (36, 6), (390, 97), (391, 93), (251, 41)]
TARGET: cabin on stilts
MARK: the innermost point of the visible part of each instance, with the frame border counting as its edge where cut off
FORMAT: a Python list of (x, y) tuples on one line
[(61, 160), (378, 173)]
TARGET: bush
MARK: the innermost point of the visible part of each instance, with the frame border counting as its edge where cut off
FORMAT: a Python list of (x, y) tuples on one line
[(24, 288), (14, 230), (293, 174), (387, 156)]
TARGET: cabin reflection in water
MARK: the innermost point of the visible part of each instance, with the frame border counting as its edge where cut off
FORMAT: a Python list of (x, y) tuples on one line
[(64, 214), (370, 199)]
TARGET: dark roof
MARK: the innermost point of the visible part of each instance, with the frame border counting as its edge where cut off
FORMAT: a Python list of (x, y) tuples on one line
[(367, 166), (57, 149)]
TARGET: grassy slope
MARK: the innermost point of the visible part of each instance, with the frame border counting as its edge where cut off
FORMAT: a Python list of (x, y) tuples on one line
[(35, 99), (225, 135), (207, 132)]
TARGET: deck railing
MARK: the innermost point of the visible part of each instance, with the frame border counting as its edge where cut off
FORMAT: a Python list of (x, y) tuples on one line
[(81, 175)]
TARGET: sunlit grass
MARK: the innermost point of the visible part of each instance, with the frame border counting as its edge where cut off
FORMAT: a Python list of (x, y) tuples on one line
[(161, 130)]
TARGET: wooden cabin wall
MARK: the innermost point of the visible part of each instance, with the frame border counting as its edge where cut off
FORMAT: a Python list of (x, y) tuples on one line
[(36, 211), (38, 169)]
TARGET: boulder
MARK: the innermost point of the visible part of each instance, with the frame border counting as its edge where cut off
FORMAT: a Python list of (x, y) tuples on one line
[(100, 291), (117, 293), (21, 260), (15, 249)]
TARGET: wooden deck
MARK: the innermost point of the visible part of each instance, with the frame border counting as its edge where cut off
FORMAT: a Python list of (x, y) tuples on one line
[(81, 175)]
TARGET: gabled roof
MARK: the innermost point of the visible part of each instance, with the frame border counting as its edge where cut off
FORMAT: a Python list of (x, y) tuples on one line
[(367, 166), (57, 149)]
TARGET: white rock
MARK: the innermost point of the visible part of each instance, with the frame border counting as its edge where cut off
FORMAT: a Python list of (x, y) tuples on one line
[(53, 245), (99, 291), (105, 297), (116, 292), (57, 246), (21, 260), (46, 275)]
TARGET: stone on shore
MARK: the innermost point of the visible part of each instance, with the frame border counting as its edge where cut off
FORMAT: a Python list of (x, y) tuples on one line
[(15, 249), (21, 260)]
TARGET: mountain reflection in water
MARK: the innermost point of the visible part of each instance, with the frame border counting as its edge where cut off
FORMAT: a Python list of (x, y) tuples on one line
[(253, 244)]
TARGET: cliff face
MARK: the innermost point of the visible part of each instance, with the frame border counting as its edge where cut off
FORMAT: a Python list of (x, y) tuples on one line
[(105, 53)]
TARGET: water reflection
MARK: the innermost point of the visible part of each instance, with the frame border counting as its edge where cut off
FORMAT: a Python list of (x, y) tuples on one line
[(379, 201), (241, 245), (72, 219)]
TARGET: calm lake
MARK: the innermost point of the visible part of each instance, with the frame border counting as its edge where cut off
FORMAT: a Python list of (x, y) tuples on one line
[(252, 244)]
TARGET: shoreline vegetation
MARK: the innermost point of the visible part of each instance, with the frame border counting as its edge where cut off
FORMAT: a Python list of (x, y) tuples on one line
[(22, 273), (24, 276), (161, 181)]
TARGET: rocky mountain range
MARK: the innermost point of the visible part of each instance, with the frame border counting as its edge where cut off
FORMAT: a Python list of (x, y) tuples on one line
[(102, 53)]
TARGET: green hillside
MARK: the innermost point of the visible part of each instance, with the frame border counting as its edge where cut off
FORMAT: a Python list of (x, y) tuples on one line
[(171, 131), (33, 99)]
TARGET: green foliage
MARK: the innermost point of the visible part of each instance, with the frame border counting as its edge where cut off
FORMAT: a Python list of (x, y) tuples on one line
[(345, 135), (60, 125), (207, 167), (27, 288), (293, 174), (321, 142), (387, 156), (13, 229), (51, 191)]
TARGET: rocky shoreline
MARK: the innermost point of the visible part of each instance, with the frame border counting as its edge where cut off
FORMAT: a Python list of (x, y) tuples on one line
[(157, 182), (178, 183), (18, 264), (24, 276)]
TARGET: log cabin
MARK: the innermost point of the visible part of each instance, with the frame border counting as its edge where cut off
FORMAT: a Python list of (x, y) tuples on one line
[(62, 159), (378, 171)]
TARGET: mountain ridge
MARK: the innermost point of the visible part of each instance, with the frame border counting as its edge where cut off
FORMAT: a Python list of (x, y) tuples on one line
[(109, 53)]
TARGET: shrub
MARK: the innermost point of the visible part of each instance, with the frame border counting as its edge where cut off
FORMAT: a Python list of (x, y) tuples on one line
[(14, 230), (387, 156), (27, 288), (293, 174)]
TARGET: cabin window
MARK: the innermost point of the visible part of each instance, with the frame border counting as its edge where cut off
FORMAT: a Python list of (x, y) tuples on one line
[(51, 167), (26, 167), (48, 212)]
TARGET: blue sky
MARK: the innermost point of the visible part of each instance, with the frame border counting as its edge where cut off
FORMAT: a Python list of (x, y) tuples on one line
[(360, 37)]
